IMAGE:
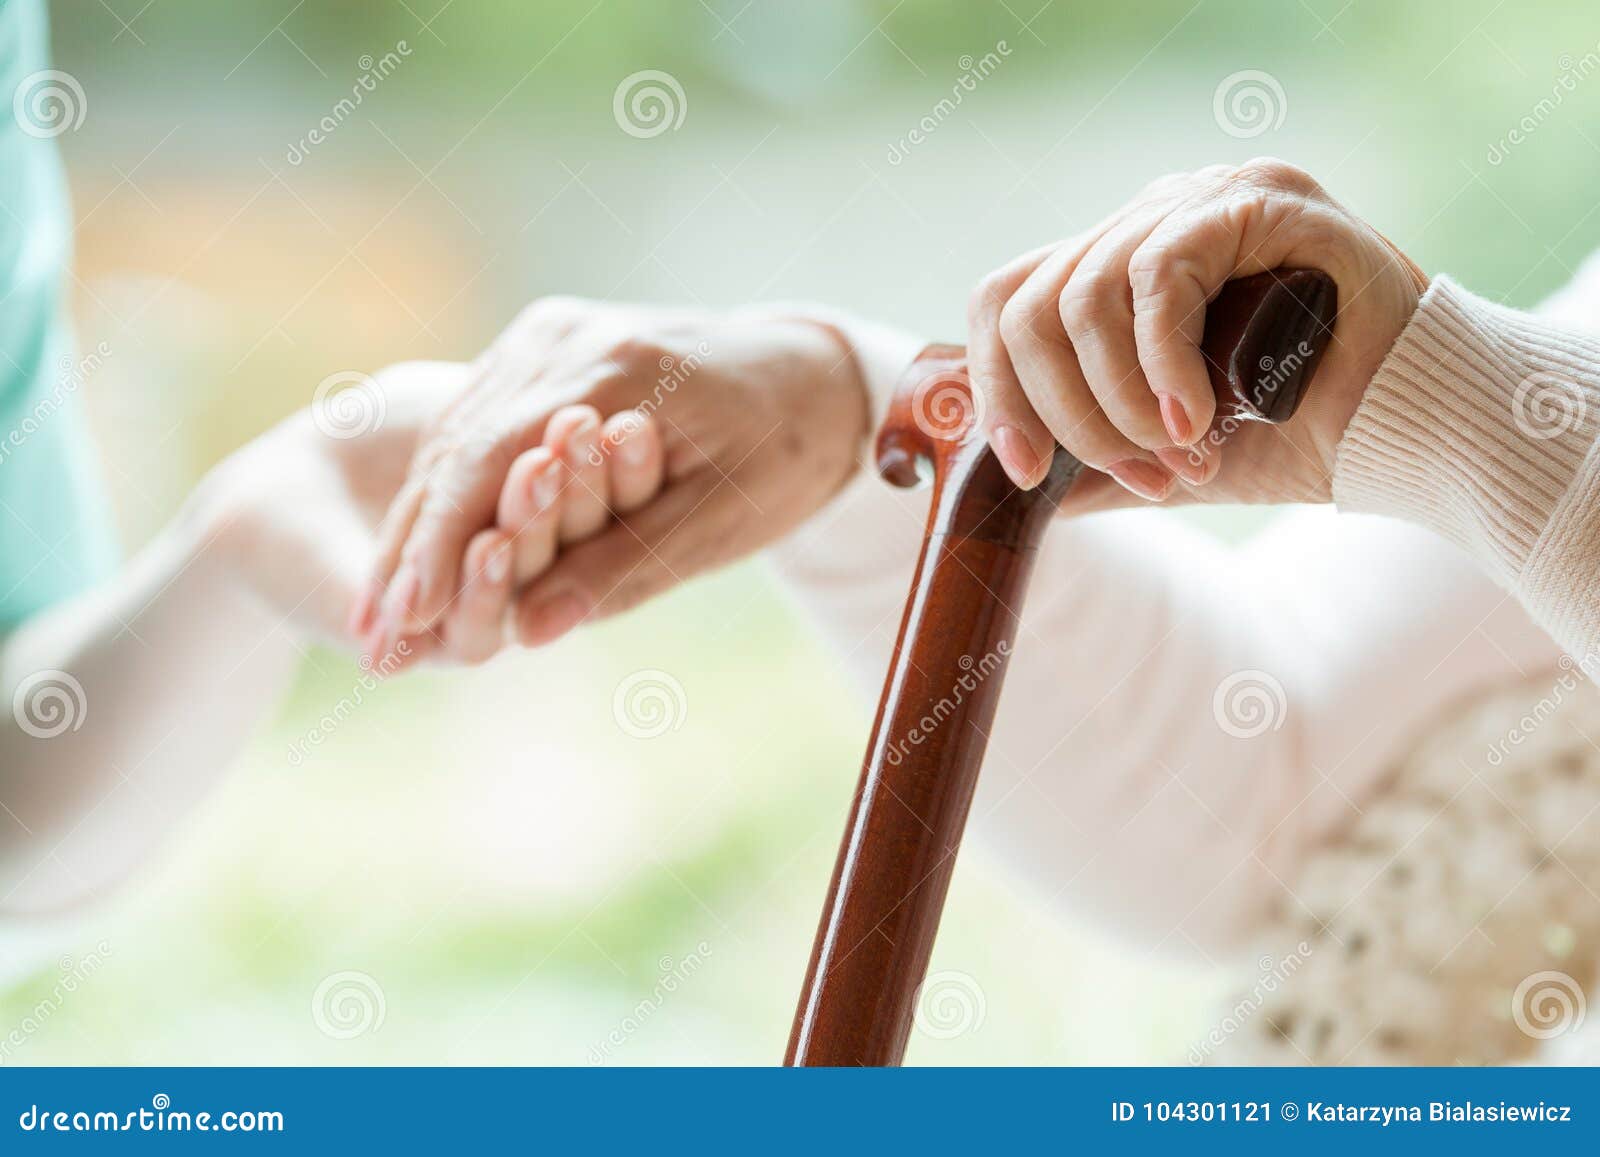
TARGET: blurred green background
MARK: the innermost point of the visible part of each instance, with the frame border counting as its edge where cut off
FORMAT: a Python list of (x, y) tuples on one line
[(510, 871)]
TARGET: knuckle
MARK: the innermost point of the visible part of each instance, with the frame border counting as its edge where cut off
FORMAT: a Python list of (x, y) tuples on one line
[(1095, 446), (988, 298), (1140, 422), (1158, 273), (551, 308), (1090, 302), (634, 354), (1017, 320), (1273, 173)]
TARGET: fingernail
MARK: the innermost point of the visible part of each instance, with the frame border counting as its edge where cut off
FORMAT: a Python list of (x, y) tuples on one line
[(1175, 418), (1145, 479), (552, 619), (547, 486), (633, 449), (580, 442), (1017, 456), (498, 565), (360, 620), (1186, 464), (407, 586)]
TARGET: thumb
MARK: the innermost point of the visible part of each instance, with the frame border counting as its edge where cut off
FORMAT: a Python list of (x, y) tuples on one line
[(687, 530)]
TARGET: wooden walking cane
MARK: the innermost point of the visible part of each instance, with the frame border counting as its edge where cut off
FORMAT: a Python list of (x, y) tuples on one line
[(1264, 336)]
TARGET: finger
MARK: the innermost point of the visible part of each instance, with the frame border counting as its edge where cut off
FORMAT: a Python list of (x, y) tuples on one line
[(1096, 308), (459, 498), (1233, 229), (391, 537), (635, 461), (573, 435), (1055, 385), (385, 657), (529, 513), (474, 628), (681, 534), (1020, 439)]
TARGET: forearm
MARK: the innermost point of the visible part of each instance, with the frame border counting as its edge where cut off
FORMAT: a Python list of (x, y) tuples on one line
[(129, 701)]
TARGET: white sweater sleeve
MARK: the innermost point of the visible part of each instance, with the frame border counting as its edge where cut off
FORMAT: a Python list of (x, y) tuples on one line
[(1162, 760)]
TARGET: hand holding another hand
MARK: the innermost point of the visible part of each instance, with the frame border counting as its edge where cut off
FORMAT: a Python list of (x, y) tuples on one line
[(601, 454)]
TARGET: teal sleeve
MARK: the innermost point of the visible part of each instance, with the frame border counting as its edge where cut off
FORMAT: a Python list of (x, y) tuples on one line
[(55, 532)]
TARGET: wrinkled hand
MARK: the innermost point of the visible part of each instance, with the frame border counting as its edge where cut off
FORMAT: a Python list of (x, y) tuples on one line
[(1094, 342), (755, 423)]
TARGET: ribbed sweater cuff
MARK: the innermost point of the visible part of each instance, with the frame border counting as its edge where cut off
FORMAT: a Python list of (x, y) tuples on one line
[(1481, 425)]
